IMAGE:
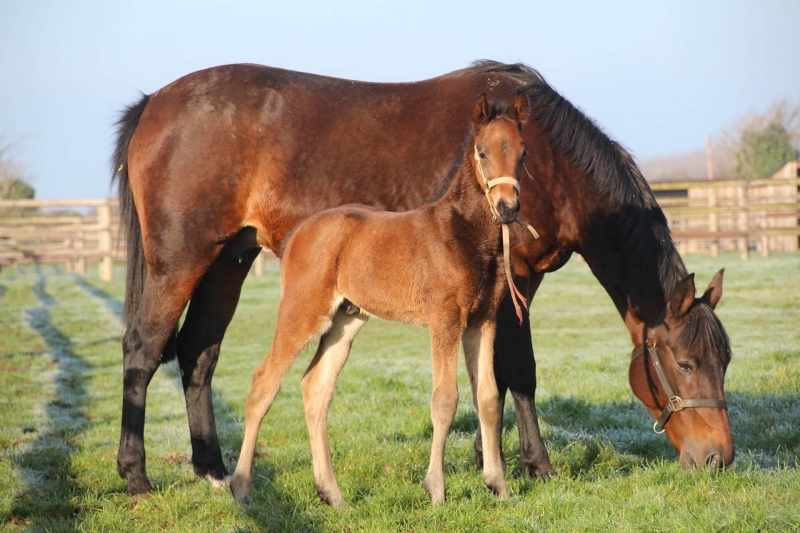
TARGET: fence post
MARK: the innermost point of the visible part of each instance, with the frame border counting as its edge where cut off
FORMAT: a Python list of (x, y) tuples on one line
[(106, 266), (744, 222), (258, 264), (713, 217), (80, 262)]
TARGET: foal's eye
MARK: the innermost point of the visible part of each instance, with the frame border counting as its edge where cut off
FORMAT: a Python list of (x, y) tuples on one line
[(685, 367)]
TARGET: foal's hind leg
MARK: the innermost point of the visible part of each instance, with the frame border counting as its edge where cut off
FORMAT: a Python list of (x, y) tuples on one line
[(299, 322), (210, 311), (318, 387)]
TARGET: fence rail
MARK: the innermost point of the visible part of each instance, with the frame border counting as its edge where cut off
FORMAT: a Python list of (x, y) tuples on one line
[(714, 215), (705, 216)]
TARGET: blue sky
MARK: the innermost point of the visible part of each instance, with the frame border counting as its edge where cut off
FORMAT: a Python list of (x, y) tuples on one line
[(657, 76)]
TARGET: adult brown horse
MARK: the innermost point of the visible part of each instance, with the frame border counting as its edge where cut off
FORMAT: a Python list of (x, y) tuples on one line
[(227, 160), (440, 265)]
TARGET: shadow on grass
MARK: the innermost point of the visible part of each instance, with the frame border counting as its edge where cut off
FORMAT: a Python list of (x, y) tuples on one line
[(612, 438), (51, 494)]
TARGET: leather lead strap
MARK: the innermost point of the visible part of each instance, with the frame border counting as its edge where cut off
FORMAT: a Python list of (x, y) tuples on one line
[(489, 184)]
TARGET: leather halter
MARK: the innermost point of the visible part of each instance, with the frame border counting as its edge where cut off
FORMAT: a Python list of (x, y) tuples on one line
[(489, 184), (674, 403)]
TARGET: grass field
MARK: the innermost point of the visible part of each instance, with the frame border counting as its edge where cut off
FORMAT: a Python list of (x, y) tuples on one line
[(60, 398)]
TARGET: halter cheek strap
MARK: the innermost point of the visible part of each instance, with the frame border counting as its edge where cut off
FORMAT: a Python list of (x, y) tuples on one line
[(674, 403), (488, 185)]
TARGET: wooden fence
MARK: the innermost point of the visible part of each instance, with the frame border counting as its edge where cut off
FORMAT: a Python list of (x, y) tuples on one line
[(705, 216), (70, 232), (709, 216)]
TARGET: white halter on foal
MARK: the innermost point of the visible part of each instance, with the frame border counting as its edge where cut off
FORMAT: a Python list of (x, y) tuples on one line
[(489, 184)]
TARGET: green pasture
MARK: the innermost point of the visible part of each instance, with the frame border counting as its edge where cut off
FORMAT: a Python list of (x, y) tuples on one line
[(60, 398)]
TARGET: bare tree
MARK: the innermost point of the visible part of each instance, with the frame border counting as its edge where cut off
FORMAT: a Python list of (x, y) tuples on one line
[(14, 177)]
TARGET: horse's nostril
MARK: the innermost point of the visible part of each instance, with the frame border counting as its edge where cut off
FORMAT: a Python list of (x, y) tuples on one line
[(715, 461)]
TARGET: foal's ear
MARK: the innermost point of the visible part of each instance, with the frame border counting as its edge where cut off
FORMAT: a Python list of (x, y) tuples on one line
[(714, 291), (522, 108), (683, 297), (481, 112)]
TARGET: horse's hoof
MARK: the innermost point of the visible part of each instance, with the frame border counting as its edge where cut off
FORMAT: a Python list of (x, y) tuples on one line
[(140, 487), (540, 472)]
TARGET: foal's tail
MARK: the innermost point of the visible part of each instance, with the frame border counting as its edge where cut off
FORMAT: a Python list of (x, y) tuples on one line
[(136, 272)]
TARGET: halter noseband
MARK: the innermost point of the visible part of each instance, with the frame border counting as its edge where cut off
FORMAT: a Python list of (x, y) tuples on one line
[(674, 403), (488, 185)]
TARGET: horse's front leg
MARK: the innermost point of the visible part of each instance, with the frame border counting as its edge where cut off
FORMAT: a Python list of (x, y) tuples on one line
[(318, 388), (479, 350), (515, 367), (210, 311)]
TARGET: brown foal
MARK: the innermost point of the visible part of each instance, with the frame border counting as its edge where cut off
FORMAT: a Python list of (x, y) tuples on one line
[(439, 266)]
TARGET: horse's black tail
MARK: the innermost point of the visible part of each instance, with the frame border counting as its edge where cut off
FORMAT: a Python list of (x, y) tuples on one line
[(136, 272)]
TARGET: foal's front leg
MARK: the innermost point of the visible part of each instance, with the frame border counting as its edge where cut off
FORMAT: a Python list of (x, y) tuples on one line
[(318, 387), (444, 402), (479, 352)]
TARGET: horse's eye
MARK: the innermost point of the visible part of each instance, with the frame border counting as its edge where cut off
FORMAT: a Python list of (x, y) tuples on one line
[(685, 367), (483, 156)]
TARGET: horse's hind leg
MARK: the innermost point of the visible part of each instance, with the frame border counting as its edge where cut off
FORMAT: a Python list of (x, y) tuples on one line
[(478, 349), (210, 311), (163, 301), (318, 387), (299, 321)]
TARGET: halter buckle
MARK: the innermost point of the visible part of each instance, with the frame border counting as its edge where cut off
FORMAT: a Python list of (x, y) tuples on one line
[(676, 404)]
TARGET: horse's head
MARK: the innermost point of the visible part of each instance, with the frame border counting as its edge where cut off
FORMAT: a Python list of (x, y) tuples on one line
[(691, 351), (498, 151)]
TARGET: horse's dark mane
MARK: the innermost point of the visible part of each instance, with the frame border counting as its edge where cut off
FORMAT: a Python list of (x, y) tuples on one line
[(641, 228)]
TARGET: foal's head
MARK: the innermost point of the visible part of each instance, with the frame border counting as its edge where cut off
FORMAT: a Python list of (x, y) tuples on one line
[(498, 151)]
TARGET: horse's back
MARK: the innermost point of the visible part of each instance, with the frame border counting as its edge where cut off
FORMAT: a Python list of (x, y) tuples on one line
[(249, 145)]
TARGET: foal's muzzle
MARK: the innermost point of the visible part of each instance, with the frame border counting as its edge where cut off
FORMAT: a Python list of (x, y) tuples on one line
[(506, 214)]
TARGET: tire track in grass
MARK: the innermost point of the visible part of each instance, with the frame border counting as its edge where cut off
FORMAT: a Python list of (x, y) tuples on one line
[(51, 495)]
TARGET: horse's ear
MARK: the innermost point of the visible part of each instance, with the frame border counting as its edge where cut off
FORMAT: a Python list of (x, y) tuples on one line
[(522, 108), (481, 112), (714, 291), (683, 297)]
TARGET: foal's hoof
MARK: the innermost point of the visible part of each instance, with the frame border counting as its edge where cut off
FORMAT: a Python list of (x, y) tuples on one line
[(240, 490), (435, 491)]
